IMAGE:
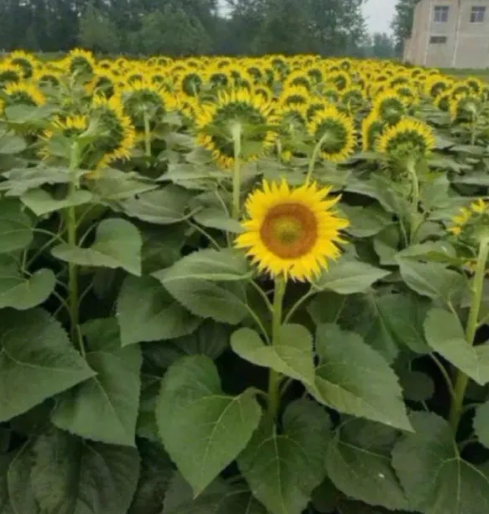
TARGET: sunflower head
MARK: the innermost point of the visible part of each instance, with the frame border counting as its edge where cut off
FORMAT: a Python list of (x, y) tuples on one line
[(471, 223), (10, 74), (408, 141), (389, 106), (47, 77), (298, 79), (80, 61), (353, 98), (117, 132), (191, 83), (25, 61), (372, 128), (24, 93), (436, 84), (443, 100), (335, 132), (464, 108), (294, 95), (69, 127), (217, 122), (341, 80), (475, 84), (291, 233), (104, 82)]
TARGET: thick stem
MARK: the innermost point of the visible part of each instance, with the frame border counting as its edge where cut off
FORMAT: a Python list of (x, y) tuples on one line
[(314, 156), (414, 224), (274, 377), (147, 134), (236, 131), (71, 227), (471, 330), (473, 134)]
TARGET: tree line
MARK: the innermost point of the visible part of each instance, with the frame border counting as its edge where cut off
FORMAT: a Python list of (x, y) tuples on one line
[(185, 27)]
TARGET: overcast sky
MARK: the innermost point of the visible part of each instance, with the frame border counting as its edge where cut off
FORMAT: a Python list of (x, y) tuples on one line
[(379, 14)]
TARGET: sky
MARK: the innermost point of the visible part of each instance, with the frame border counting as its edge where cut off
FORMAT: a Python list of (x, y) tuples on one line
[(379, 14)]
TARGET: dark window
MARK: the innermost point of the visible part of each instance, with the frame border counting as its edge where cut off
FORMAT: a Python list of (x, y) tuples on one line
[(478, 14), (441, 13), (438, 40)]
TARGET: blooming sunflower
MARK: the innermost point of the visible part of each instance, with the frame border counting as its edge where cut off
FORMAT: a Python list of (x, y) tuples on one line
[(80, 61), (25, 61), (471, 222), (214, 123), (463, 108), (409, 139), (68, 127), (389, 106), (118, 134), (372, 127), (294, 95), (291, 233), (336, 133), (9, 73), (23, 93)]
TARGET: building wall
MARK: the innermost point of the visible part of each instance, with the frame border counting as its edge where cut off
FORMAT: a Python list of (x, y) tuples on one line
[(467, 44)]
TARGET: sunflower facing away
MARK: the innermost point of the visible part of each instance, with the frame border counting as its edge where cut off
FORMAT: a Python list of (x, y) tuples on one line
[(471, 221), (291, 233), (336, 133), (409, 139)]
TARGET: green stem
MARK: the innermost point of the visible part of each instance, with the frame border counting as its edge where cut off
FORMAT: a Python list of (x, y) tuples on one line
[(471, 330), (274, 377), (314, 157), (147, 135), (473, 135), (236, 131), (71, 227), (414, 225)]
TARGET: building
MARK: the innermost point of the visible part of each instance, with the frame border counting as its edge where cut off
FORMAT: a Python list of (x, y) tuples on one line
[(449, 34)]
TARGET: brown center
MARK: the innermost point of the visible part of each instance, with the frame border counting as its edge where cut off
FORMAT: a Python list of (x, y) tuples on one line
[(289, 230)]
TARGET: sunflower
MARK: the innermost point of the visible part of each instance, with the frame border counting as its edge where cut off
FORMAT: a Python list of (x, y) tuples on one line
[(215, 122), (471, 222), (409, 139), (68, 127), (291, 233), (118, 134), (353, 98), (476, 85), (443, 100), (294, 95), (436, 84), (47, 77), (9, 73), (341, 80), (297, 79), (142, 97), (104, 82), (464, 108), (25, 61), (335, 132), (372, 127), (24, 93), (389, 106), (190, 82), (80, 61)]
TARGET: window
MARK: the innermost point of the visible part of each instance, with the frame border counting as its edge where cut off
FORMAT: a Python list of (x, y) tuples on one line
[(438, 40), (477, 15), (441, 13)]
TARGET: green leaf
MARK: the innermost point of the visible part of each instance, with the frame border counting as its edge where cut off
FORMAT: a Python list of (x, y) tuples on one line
[(73, 476), (11, 143), (208, 284), (147, 312), (161, 207), (481, 424), (431, 279), (203, 429), (291, 355), (417, 386), (156, 473), (117, 185), (284, 469), (37, 361), (433, 474), (15, 227), (40, 202), (362, 469), (21, 180), (5, 507), (213, 217), (364, 386), (366, 221), (22, 292), (19, 482), (446, 336), (105, 407), (349, 277), (117, 245)]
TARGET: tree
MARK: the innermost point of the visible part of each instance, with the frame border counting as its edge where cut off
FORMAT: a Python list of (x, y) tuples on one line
[(402, 24), (98, 32), (173, 32), (383, 46)]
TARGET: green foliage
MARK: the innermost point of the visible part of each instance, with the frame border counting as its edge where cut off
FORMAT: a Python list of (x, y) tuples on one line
[(97, 31)]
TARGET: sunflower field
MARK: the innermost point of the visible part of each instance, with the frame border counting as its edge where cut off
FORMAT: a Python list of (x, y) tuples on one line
[(242, 286)]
